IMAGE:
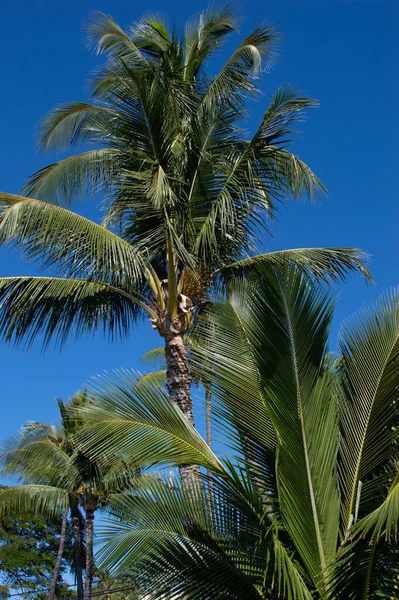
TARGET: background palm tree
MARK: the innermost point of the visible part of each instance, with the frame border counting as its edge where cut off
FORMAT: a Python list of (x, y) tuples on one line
[(306, 504), (186, 192), (57, 475)]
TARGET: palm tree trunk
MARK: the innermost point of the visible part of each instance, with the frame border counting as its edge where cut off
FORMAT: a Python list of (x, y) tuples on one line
[(77, 549), (57, 567), (208, 414), (178, 383), (89, 553), (208, 431)]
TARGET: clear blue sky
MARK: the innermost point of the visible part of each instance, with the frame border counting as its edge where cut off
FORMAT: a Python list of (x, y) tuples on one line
[(342, 52)]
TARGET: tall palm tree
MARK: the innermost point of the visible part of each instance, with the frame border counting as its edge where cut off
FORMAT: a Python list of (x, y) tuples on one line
[(306, 499), (56, 475), (187, 193)]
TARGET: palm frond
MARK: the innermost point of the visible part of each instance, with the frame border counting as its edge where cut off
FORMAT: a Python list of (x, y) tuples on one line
[(369, 347), (42, 499), (105, 36), (70, 124), (134, 416), (324, 264), (89, 172), (54, 236), (204, 35), (257, 51), (55, 307)]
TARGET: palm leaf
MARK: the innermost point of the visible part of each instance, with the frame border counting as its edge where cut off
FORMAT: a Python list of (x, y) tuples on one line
[(55, 307), (135, 417), (369, 346), (89, 172), (54, 236), (46, 500), (322, 263)]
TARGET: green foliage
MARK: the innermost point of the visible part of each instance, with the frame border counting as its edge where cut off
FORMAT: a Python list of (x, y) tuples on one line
[(28, 551), (185, 191), (275, 520)]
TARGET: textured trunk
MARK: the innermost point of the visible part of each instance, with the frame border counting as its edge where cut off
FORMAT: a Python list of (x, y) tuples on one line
[(89, 553), (208, 414), (178, 384), (77, 549), (208, 429), (57, 567)]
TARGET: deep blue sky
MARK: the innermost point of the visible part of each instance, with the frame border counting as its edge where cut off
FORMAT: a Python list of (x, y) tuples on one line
[(342, 52)]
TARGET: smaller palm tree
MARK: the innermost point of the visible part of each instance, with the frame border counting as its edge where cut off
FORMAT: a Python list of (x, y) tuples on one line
[(305, 503), (56, 475)]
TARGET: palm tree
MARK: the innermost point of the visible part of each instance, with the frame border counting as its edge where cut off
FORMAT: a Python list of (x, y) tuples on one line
[(186, 192), (306, 499), (56, 475)]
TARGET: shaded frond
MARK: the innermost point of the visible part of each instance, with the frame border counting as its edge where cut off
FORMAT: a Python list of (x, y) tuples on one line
[(55, 307)]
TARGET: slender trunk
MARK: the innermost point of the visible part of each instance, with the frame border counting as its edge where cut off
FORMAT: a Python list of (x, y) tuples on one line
[(89, 553), (57, 567), (77, 549), (208, 413), (178, 383)]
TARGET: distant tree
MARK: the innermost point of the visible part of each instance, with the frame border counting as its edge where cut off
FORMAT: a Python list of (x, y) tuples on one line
[(28, 553), (56, 475)]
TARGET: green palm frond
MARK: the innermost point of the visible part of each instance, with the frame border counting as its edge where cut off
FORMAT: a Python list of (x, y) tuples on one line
[(54, 236), (257, 51), (284, 322), (322, 263), (164, 534), (154, 357), (42, 499), (55, 307), (240, 411), (204, 35), (369, 366), (105, 36), (135, 417), (383, 521), (89, 172), (42, 460), (71, 124)]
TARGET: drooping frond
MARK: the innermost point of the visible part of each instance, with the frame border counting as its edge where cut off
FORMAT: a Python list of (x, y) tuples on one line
[(46, 500), (56, 307), (325, 264), (70, 124)]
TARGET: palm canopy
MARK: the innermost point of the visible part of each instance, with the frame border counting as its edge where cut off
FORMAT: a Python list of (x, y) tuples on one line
[(312, 474), (170, 153), (53, 471), (183, 183)]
